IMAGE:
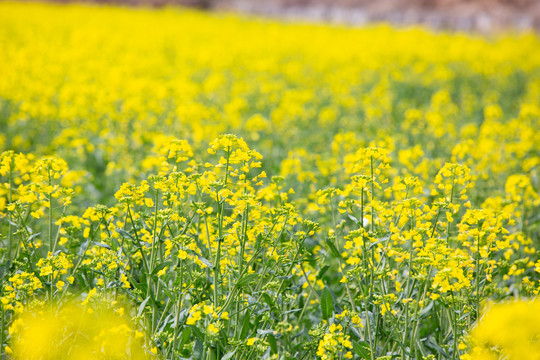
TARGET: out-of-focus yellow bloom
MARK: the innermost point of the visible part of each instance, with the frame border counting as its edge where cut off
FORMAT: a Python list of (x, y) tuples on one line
[(507, 331), (212, 329), (74, 334), (60, 285)]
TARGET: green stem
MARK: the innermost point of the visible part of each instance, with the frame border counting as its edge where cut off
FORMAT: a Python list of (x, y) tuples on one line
[(9, 227), (178, 307), (351, 300), (51, 249), (478, 277), (372, 193), (2, 332), (154, 235), (367, 328), (139, 244)]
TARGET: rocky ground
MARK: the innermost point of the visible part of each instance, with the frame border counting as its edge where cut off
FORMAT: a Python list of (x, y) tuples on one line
[(468, 15)]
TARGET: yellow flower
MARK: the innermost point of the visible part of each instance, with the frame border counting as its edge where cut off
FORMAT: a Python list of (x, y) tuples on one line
[(212, 329), (509, 331), (193, 318), (162, 272), (182, 254), (60, 285)]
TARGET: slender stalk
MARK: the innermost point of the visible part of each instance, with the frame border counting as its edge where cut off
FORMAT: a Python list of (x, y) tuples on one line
[(367, 328), (139, 244), (2, 332), (351, 299), (149, 284), (477, 277), (451, 201), (372, 192), (221, 207), (154, 233), (309, 282), (50, 215), (454, 326), (10, 200), (178, 307)]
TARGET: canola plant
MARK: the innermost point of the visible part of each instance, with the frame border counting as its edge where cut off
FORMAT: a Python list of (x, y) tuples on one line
[(214, 186)]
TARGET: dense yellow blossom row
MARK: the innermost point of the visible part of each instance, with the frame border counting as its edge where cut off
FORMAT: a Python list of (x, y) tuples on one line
[(381, 186)]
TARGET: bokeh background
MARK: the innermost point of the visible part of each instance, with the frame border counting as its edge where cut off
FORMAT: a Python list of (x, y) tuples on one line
[(468, 15)]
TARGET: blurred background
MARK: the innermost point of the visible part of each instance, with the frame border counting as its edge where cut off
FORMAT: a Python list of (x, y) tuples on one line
[(468, 15)]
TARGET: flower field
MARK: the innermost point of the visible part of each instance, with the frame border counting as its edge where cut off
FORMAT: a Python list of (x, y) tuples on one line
[(185, 185)]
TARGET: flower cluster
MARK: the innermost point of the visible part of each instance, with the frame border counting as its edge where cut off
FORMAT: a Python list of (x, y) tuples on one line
[(398, 193)]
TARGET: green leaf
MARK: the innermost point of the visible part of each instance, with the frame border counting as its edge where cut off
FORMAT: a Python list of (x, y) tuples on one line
[(265, 332), (142, 306), (102, 245), (373, 244), (161, 266), (323, 270), (362, 349), (431, 343), (254, 322), (258, 242), (327, 304), (273, 344), (333, 248), (197, 349), (292, 311), (268, 299), (426, 310), (229, 355), (166, 290), (125, 234), (195, 330), (247, 279), (355, 220), (185, 336), (206, 262), (245, 325)]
